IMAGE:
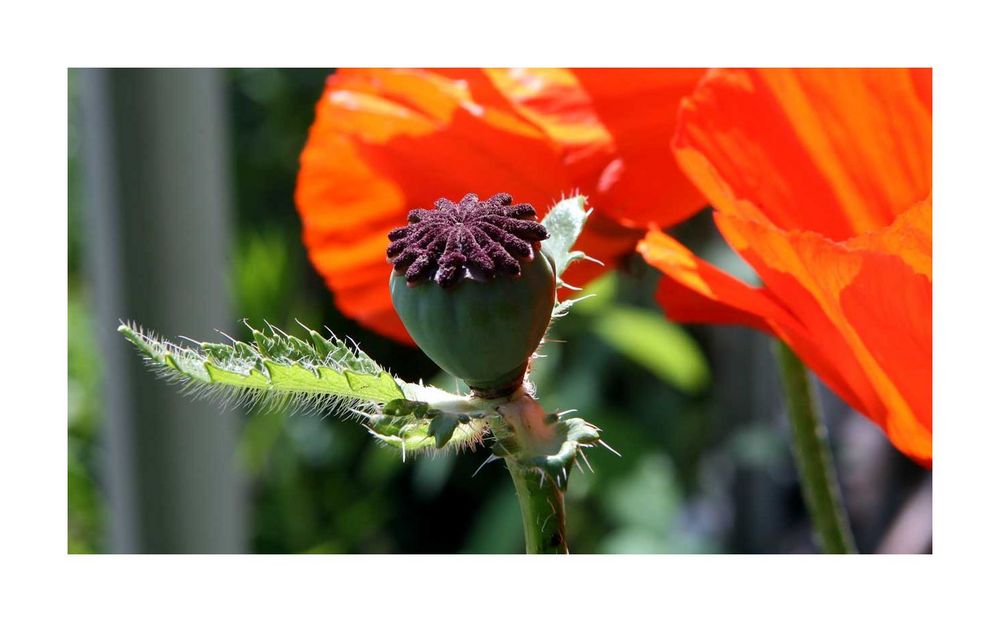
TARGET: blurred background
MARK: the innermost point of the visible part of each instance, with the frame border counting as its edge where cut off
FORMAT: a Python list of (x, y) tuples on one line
[(181, 217)]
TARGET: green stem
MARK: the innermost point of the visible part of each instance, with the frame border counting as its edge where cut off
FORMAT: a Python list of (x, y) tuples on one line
[(817, 476), (523, 432), (542, 512)]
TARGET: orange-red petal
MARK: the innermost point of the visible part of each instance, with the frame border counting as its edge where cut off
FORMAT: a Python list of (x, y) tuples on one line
[(696, 291), (615, 126), (822, 180), (835, 151), (872, 302), (857, 313)]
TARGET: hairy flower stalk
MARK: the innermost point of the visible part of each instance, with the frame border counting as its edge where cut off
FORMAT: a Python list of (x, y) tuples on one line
[(526, 430), (817, 477)]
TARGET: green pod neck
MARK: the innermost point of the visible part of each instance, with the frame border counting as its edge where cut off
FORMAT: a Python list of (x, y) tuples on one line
[(481, 332)]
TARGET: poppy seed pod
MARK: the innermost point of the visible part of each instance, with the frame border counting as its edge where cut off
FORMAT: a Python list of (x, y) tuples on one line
[(473, 288)]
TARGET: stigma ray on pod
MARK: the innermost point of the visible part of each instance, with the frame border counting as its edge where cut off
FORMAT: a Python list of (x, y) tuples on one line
[(471, 239)]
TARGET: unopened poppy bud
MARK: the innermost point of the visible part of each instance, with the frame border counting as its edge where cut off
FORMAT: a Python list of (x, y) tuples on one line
[(473, 288)]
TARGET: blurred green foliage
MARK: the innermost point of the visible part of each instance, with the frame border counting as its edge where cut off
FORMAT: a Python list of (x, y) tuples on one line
[(86, 507), (646, 338), (322, 485)]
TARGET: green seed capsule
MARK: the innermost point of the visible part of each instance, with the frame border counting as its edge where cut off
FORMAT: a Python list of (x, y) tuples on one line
[(473, 289)]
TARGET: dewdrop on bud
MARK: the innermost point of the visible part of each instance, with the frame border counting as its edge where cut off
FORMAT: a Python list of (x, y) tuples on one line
[(473, 288)]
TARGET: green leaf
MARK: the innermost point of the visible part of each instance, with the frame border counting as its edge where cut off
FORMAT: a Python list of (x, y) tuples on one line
[(429, 419), (648, 339), (324, 374), (564, 222)]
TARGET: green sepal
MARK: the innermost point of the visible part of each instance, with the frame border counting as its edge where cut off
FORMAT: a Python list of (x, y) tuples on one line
[(564, 438), (407, 408), (435, 431), (574, 434), (430, 419), (564, 223)]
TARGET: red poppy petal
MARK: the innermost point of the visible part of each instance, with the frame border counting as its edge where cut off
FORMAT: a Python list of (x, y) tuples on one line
[(867, 311), (889, 307), (909, 238), (839, 152), (922, 82), (639, 109), (614, 127), (346, 212), (556, 102), (696, 291)]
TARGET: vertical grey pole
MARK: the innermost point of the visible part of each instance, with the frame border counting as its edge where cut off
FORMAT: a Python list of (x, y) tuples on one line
[(158, 214)]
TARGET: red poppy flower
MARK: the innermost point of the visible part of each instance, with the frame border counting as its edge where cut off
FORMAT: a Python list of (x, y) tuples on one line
[(821, 180), (387, 141)]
